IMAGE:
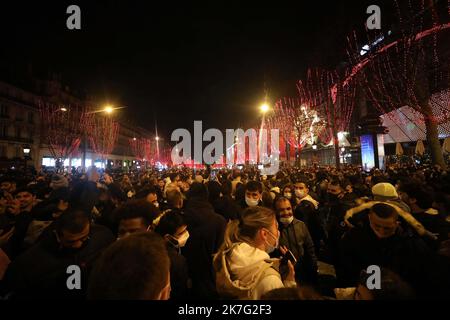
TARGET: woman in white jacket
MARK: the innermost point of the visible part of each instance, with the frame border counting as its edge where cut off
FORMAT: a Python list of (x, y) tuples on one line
[(243, 267)]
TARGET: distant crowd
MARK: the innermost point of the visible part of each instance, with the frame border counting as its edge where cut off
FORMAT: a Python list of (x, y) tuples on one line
[(303, 234)]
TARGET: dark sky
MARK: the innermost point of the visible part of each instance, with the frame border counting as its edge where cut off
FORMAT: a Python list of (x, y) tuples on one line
[(181, 62)]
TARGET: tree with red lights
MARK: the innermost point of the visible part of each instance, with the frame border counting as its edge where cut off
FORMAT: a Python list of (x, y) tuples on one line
[(297, 123), (103, 134), (141, 148), (324, 92), (412, 69), (62, 129)]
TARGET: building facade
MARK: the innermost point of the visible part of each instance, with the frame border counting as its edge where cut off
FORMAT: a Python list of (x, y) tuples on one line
[(20, 128)]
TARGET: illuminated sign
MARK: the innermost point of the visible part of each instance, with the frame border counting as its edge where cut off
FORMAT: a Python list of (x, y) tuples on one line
[(367, 152)]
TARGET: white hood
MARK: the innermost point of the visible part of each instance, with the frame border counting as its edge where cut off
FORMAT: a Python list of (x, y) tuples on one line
[(247, 262), (310, 199)]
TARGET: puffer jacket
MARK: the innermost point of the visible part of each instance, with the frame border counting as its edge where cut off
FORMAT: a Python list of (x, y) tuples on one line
[(247, 273)]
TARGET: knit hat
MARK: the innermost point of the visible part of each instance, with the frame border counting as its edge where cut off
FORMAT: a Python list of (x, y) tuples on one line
[(59, 181), (384, 191)]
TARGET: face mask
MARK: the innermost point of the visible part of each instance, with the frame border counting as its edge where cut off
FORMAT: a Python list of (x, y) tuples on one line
[(286, 221), (300, 193), (288, 195), (270, 248), (156, 204), (251, 202)]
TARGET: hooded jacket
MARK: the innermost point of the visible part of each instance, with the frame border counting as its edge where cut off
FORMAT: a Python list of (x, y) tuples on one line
[(245, 272), (310, 199)]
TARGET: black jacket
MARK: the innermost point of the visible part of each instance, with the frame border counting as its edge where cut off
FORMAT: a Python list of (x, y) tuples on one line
[(296, 238), (406, 255), (206, 229), (227, 208), (179, 274), (41, 272)]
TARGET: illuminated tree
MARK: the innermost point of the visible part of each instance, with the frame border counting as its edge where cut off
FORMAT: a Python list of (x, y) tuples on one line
[(62, 129), (323, 91), (412, 69), (103, 134), (296, 122), (141, 148)]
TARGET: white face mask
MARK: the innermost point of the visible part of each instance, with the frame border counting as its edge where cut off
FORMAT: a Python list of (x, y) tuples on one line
[(300, 193), (183, 239), (270, 248), (288, 195), (287, 220), (251, 202), (156, 204)]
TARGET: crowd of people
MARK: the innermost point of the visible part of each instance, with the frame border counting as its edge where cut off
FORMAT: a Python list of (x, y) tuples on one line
[(304, 233)]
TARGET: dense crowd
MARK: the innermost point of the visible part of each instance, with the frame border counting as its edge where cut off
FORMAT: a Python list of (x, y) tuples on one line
[(304, 233)]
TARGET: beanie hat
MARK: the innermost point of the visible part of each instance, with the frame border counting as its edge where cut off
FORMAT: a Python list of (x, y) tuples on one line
[(384, 191), (59, 181)]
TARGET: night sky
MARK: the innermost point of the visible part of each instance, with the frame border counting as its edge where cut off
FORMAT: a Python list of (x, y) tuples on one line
[(182, 62)]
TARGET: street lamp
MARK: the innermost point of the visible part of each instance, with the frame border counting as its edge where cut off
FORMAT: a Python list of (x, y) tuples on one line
[(26, 155), (63, 109), (314, 146), (108, 109), (264, 108)]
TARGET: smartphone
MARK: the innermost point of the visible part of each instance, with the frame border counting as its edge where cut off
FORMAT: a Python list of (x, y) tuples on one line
[(290, 256)]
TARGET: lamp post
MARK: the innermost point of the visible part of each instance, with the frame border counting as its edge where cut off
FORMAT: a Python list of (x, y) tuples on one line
[(26, 155)]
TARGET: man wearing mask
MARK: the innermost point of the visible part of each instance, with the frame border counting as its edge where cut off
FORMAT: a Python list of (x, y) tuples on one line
[(295, 236), (335, 212), (302, 194), (253, 194), (41, 272), (173, 229)]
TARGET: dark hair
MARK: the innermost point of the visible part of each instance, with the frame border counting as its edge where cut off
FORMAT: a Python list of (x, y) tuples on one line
[(137, 209), (279, 199), (384, 211), (423, 195), (73, 220), (393, 287), (29, 189), (170, 222), (145, 191), (172, 176), (133, 268), (254, 186), (214, 190), (226, 187), (198, 190), (336, 182)]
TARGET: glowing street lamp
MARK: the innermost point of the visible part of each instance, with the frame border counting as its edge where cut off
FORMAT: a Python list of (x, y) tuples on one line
[(63, 109), (108, 109), (314, 147), (264, 108)]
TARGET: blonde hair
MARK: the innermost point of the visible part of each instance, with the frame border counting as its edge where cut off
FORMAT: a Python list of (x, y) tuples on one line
[(245, 228)]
